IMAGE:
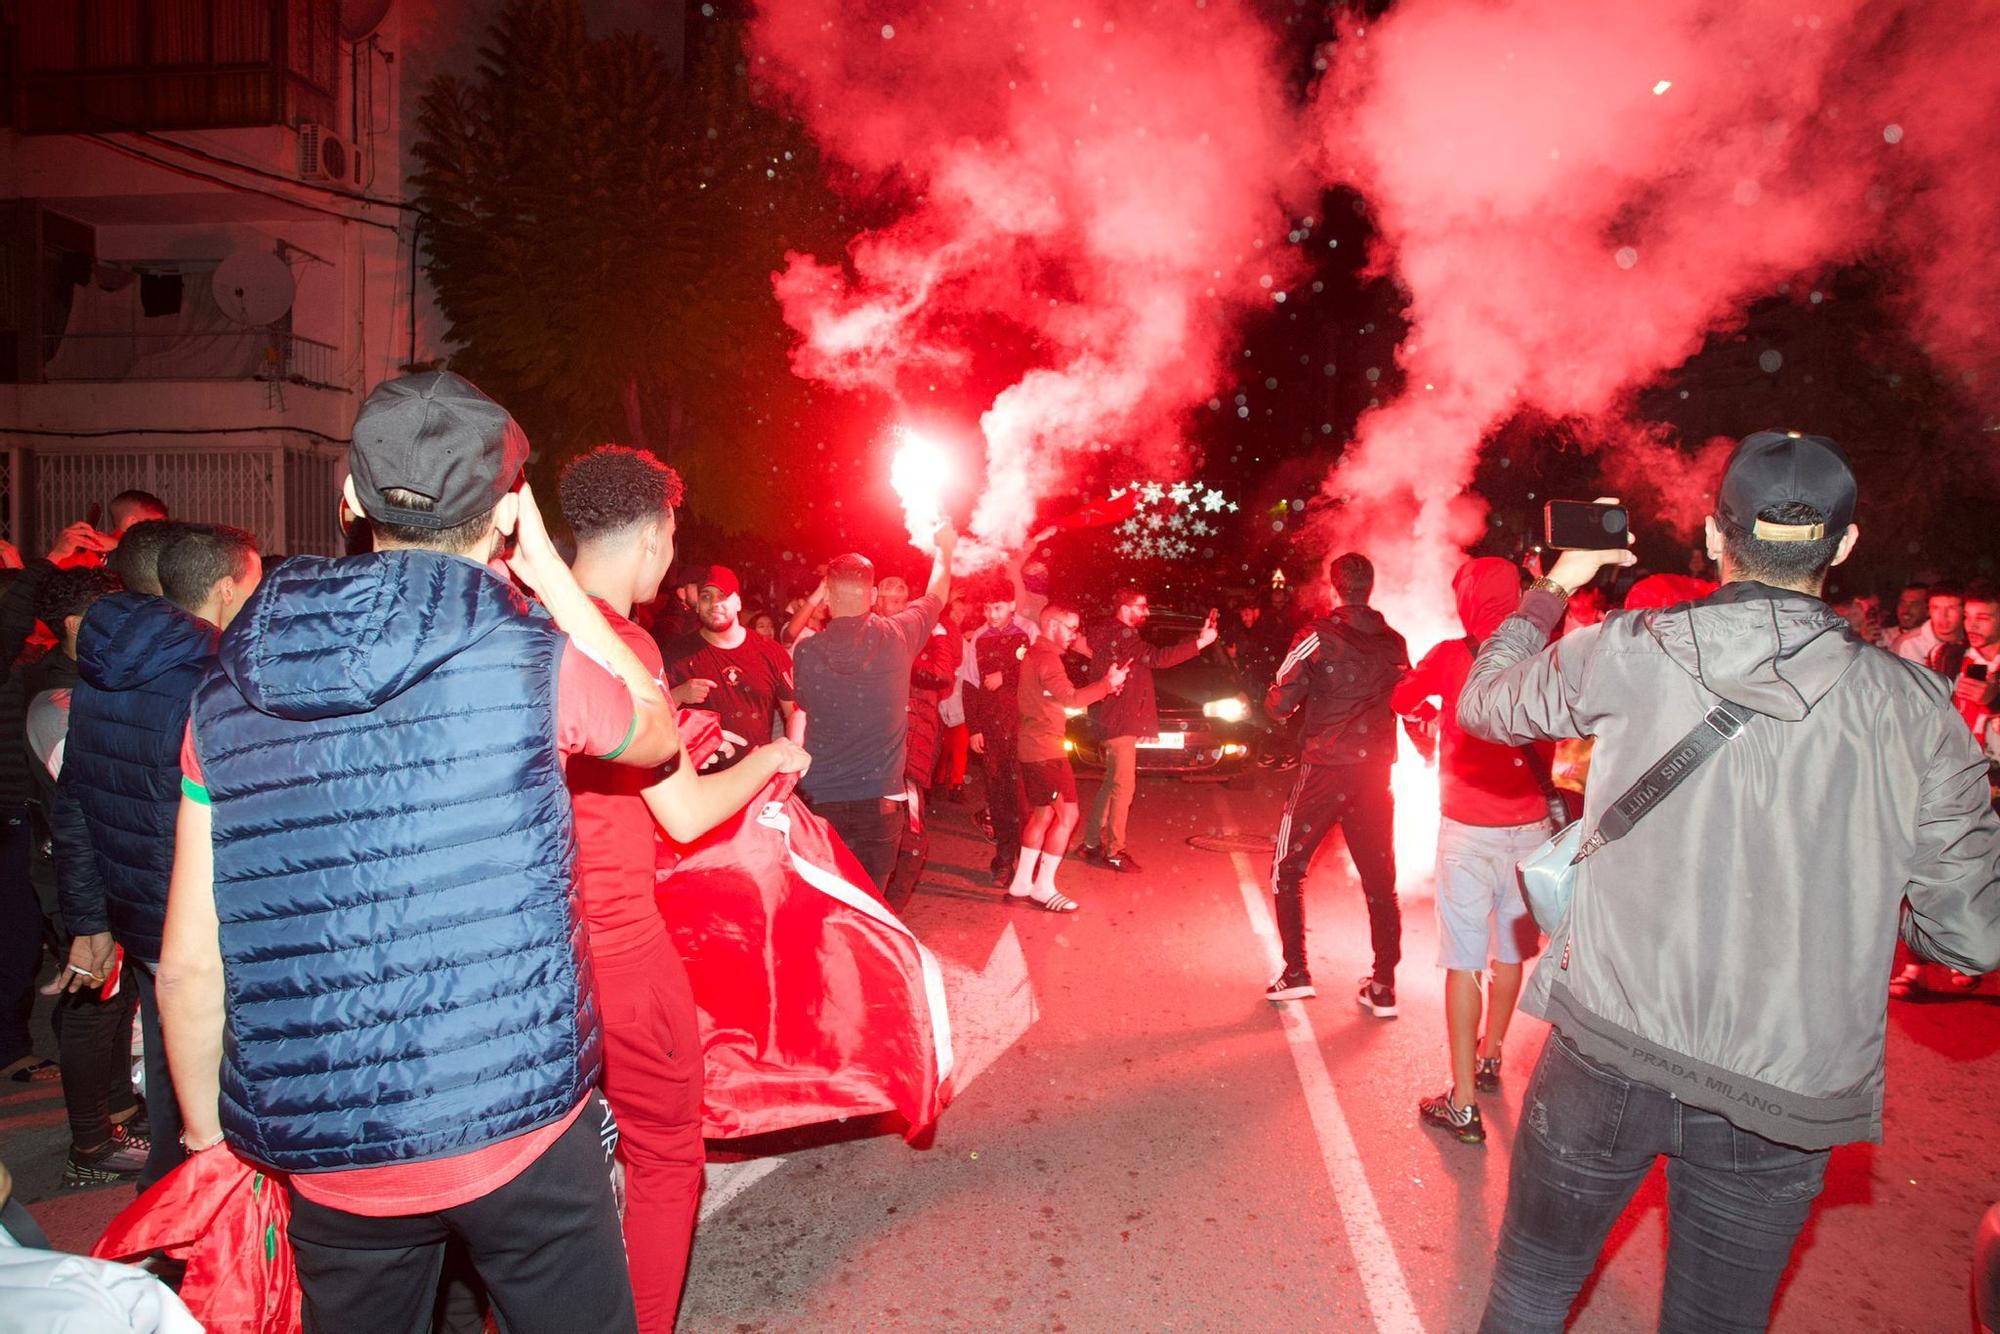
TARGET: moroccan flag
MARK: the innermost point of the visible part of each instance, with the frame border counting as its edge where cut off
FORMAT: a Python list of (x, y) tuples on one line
[(1100, 513), (226, 1218), (815, 1002)]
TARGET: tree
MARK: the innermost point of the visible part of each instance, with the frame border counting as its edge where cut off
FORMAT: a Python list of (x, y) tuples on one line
[(601, 236)]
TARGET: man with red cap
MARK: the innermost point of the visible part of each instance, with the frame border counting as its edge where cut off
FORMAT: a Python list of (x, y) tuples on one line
[(723, 668), (1495, 812)]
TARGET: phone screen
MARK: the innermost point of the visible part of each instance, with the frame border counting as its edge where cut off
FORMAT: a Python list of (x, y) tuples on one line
[(1579, 525)]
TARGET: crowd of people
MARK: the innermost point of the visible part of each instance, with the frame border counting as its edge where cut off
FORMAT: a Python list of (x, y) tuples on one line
[(1845, 798), (469, 734)]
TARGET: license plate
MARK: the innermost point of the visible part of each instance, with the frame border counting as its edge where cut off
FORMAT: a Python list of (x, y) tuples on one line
[(1164, 741)]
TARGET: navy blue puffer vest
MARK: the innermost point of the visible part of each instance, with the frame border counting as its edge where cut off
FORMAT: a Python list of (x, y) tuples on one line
[(405, 970), (139, 659)]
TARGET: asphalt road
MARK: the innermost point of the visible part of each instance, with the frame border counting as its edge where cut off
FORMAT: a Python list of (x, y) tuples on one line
[(1160, 1148)]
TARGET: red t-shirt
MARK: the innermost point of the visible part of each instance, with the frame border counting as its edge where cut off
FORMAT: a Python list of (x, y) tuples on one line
[(615, 835), (594, 717)]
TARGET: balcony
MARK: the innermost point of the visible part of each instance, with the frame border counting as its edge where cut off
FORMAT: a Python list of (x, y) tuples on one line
[(117, 65), (236, 354)]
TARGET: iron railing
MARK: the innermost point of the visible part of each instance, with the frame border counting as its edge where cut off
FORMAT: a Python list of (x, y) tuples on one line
[(235, 354)]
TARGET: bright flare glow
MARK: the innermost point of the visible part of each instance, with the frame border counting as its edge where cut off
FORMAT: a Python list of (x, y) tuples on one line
[(1415, 787), (1232, 710), (920, 472), (1661, 87)]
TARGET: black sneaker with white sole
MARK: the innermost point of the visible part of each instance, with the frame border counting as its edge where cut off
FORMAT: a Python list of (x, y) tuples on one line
[(1486, 1076), (1463, 1122), (1290, 986), (1377, 999)]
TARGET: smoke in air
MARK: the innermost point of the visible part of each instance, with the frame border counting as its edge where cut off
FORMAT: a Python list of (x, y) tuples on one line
[(1102, 176), (1575, 194)]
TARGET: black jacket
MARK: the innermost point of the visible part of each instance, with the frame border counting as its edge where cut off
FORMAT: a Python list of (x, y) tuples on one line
[(1135, 710), (1341, 668)]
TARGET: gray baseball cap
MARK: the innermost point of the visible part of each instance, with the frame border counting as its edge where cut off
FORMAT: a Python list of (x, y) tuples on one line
[(435, 434)]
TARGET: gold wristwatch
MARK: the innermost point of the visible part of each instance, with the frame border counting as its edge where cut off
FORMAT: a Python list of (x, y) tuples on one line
[(1548, 585)]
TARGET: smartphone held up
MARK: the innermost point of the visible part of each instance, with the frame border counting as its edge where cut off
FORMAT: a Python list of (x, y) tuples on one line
[(1578, 525)]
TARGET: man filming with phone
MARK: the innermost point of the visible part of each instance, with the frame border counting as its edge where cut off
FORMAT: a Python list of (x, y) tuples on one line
[(1771, 798), (1122, 719)]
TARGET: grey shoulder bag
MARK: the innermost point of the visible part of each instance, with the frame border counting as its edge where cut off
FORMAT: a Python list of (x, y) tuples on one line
[(1548, 876)]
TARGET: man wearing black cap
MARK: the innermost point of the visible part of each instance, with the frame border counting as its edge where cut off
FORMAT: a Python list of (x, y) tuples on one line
[(1716, 983), (373, 890), (722, 667)]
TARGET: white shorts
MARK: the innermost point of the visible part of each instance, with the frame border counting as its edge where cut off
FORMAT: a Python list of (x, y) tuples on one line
[(1479, 903)]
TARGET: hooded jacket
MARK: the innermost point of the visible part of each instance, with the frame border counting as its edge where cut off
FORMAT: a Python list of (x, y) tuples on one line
[(1479, 783), (404, 967), (139, 659), (1734, 948), (1342, 669)]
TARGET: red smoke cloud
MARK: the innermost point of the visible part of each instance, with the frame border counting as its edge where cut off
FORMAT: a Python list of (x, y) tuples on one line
[(1575, 194), (1103, 176)]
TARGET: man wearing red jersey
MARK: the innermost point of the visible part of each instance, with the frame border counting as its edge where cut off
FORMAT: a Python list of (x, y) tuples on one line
[(620, 504)]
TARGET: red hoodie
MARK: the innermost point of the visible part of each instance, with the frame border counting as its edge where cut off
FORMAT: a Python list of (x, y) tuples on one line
[(1481, 783)]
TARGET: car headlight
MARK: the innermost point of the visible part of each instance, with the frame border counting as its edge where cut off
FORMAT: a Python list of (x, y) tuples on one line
[(1232, 710)]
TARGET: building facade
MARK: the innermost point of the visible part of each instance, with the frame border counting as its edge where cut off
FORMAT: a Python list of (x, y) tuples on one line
[(206, 256)]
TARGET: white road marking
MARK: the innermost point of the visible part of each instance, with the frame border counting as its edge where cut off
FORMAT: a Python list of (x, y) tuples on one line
[(725, 1181), (991, 1009), (1382, 1281)]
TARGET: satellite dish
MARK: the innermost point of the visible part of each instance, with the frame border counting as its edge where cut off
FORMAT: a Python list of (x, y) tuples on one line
[(253, 287), (358, 18)]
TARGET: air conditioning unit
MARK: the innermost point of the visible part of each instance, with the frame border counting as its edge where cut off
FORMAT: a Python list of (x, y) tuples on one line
[(324, 155)]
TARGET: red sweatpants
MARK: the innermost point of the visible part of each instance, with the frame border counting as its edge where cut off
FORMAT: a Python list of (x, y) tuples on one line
[(952, 756), (652, 1074)]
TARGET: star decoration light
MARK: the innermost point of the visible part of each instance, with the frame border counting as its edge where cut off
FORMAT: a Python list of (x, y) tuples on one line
[(1166, 515)]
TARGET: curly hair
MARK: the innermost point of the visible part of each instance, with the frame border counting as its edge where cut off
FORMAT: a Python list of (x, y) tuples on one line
[(613, 488), (70, 593)]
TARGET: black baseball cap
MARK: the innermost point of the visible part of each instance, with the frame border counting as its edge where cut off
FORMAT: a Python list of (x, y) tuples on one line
[(1773, 468), (435, 434)]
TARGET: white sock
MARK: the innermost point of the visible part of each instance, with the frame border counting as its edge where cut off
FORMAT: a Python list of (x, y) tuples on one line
[(1045, 874), (1024, 871)]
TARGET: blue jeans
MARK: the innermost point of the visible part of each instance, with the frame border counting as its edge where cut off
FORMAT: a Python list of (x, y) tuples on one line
[(1735, 1201)]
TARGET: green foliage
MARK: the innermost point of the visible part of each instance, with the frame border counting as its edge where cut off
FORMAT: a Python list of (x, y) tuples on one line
[(601, 236)]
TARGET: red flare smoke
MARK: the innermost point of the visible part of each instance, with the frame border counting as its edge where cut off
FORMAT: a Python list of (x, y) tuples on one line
[(1103, 177), (1576, 194)]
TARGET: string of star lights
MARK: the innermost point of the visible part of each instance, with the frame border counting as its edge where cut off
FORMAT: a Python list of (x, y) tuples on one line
[(1170, 518)]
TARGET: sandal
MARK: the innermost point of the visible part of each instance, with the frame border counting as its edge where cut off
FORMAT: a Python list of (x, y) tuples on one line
[(1057, 901), (29, 1070)]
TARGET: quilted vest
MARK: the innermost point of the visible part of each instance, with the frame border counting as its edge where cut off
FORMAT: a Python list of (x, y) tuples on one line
[(405, 964), (139, 659)]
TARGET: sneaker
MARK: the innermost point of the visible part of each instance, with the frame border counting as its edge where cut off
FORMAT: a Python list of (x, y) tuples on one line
[(1377, 999), (1463, 1122), (1486, 1074), (1090, 853), (1122, 862), (1003, 872), (1290, 986), (1286, 763), (123, 1155), (1908, 979)]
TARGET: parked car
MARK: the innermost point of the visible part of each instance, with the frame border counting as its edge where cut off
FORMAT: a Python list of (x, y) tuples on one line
[(1206, 722)]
